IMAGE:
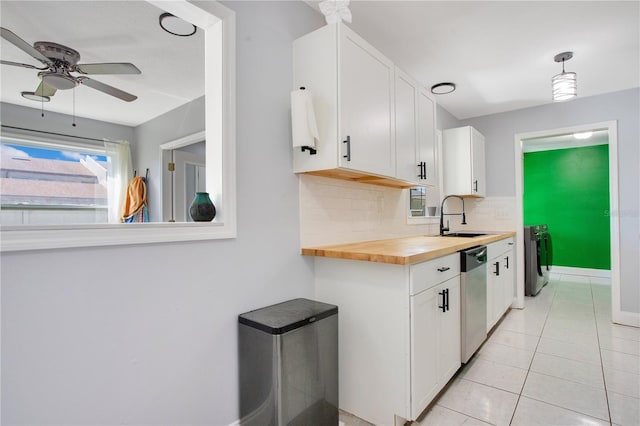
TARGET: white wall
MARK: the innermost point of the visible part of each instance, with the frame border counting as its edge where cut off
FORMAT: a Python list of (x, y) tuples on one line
[(175, 124), (147, 334), (624, 106)]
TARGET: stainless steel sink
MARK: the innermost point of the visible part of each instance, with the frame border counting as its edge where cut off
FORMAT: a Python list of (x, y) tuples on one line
[(464, 234)]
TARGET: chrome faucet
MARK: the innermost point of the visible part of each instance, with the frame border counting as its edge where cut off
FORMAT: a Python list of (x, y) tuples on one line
[(443, 214)]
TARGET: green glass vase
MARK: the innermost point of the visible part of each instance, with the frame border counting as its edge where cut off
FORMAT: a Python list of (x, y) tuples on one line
[(202, 208)]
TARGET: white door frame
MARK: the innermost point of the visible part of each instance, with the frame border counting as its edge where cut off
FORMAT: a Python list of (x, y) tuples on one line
[(167, 177), (612, 128)]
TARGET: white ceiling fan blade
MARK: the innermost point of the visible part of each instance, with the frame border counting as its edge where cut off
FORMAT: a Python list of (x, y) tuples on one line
[(108, 68), (45, 90), (23, 45), (109, 90), (19, 64)]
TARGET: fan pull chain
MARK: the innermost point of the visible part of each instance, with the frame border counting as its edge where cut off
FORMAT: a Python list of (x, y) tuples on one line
[(74, 107), (42, 101)]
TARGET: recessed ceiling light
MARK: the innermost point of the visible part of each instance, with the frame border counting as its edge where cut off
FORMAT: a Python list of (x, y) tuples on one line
[(176, 26), (582, 135), (32, 96), (443, 88)]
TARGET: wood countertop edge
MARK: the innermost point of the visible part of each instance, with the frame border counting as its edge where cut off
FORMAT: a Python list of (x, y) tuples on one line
[(370, 251)]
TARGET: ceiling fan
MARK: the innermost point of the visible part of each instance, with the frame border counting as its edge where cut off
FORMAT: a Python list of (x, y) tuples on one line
[(59, 62)]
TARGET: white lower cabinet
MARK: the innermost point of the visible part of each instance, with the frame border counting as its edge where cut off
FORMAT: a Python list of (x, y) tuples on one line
[(501, 268), (399, 333), (435, 341)]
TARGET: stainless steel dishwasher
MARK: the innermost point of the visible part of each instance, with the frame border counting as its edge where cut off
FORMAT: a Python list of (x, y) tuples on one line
[(473, 295)]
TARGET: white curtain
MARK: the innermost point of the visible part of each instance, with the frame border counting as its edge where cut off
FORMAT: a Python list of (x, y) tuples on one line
[(119, 173)]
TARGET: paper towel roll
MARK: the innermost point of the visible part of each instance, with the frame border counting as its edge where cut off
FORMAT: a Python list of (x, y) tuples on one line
[(304, 130)]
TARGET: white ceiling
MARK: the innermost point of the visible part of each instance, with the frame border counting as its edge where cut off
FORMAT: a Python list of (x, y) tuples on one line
[(105, 31), (500, 53)]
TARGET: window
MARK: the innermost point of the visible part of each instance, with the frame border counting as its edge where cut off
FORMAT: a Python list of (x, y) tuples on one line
[(45, 184), (422, 205), (417, 201), (218, 24)]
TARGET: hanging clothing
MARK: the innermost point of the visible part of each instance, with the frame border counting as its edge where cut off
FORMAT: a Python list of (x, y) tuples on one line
[(135, 204)]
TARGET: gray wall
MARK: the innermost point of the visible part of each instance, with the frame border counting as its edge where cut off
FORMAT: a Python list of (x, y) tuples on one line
[(445, 120), (30, 118), (182, 121), (623, 106), (147, 334)]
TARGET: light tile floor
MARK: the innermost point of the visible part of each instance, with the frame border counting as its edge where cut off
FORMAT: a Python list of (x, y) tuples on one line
[(559, 361)]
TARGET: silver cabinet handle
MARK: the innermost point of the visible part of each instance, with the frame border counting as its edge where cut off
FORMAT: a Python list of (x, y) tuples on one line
[(348, 142)]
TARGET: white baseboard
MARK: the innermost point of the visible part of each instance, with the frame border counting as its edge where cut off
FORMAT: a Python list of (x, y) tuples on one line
[(627, 318), (568, 270), (236, 423)]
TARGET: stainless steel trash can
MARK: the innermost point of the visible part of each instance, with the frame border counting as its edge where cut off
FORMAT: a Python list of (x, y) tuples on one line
[(288, 364)]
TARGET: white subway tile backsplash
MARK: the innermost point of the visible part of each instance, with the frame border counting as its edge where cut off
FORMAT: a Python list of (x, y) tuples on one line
[(334, 212)]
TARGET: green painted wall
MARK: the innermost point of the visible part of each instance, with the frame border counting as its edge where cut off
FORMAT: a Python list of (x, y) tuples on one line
[(568, 189)]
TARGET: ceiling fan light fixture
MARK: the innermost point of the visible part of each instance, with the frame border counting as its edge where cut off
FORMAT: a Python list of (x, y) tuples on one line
[(564, 85), (176, 26), (32, 96), (58, 81), (443, 88)]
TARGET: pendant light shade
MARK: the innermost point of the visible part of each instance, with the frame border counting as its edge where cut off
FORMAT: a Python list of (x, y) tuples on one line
[(564, 85)]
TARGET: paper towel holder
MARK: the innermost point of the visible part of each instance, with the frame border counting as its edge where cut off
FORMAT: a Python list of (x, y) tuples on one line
[(312, 151)]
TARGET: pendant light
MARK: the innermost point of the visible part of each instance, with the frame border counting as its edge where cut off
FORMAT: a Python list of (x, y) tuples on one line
[(564, 84)]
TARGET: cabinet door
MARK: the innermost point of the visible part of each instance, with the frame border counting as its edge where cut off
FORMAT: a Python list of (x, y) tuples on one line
[(425, 334), (456, 169), (509, 278), (427, 137), (366, 91), (449, 339), (495, 294), (406, 106), (463, 158), (478, 179)]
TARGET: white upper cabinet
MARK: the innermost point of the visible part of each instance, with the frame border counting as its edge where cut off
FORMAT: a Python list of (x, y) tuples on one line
[(366, 121), (408, 166), (463, 162), (415, 132), (427, 137), (352, 87)]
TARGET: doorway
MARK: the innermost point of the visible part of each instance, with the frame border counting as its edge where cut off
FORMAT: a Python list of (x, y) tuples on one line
[(183, 174), (609, 130)]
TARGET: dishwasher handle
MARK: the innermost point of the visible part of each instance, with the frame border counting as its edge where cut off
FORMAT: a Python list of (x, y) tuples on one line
[(473, 258), (481, 254)]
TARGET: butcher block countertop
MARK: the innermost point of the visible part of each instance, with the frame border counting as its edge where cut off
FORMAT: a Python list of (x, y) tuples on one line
[(403, 251)]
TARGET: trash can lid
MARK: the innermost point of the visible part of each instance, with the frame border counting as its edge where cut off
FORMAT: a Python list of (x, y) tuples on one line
[(286, 316)]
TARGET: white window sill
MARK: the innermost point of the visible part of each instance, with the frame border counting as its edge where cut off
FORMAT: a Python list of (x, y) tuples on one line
[(425, 220), (19, 238)]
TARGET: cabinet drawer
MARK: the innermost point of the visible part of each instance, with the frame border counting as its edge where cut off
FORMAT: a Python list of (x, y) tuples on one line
[(428, 274), (499, 247)]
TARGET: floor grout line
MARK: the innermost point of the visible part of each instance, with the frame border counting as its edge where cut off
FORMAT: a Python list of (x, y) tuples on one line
[(604, 379), (546, 317)]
